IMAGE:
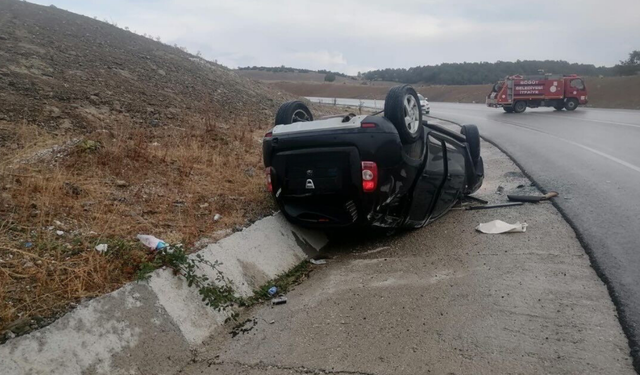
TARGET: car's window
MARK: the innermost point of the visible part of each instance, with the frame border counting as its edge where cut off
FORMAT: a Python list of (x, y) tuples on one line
[(577, 83)]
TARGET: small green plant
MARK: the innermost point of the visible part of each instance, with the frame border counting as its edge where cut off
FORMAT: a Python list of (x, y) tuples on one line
[(284, 282), (217, 293), (88, 145)]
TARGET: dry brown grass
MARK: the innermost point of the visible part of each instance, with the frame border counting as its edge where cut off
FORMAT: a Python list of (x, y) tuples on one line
[(106, 187)]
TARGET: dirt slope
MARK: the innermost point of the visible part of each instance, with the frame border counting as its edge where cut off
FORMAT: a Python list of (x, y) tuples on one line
[(606, 92), (50, 57), (105, 134)]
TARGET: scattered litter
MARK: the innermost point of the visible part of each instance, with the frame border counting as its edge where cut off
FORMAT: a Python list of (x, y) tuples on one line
[(102, 248), (217, 217), (59, 233), (318, 262), (495, 206), (272, 291), (58, 224), (28, 245), (151, 242), (272, 321), (499, 226), (532, 198), (279, 301), (520, 187), (121, 183)]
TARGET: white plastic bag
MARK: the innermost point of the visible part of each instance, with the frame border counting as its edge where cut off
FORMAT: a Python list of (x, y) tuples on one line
[(499, 226)]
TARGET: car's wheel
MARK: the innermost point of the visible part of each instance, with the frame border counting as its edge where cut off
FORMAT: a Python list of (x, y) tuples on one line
[(472, 135), (559, 106), (508, 109), (402, 108), (520, 107), (294, 111), (571, 104)]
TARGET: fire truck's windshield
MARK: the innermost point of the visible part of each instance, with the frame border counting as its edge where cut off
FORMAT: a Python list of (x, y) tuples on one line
[(577, 83)]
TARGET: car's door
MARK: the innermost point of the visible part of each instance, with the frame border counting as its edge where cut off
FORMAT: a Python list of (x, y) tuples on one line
[(429, 182), (454, 182)]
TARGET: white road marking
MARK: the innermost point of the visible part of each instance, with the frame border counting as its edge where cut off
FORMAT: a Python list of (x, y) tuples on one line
[(593, 150)]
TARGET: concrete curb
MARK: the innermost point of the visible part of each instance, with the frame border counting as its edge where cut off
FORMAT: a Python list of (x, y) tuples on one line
[(153, 327)]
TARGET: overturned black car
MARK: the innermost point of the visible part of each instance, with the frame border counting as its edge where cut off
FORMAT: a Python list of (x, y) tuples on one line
[(389, 171)]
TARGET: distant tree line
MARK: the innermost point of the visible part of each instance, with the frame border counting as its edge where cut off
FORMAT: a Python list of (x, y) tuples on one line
[(286, 69), (630, 66), (482, 72)]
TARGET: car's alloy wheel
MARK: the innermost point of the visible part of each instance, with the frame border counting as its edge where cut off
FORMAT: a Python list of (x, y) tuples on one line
[(300, 116), (402, 108), (411, 113), (291, 112)]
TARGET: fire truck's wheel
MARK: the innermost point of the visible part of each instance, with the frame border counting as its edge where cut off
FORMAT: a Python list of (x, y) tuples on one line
[(520, 107), (508, 109), (402, 108), (472, 135), (559, 106), (294, 111), (571, 104)]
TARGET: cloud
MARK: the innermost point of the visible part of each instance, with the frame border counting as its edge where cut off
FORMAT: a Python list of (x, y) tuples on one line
[(356, 35)]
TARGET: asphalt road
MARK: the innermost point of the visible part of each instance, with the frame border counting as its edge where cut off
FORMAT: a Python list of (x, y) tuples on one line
[(592, 158)]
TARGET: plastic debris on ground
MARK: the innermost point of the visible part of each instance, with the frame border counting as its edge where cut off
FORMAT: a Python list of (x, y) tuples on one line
[(102, 248), (499, 226), (279, 301), (151, 242), (217, 217), (318, 261), (272, 291)]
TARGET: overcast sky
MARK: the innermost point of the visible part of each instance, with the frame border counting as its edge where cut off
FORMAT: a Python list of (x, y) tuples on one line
[(360, 35)]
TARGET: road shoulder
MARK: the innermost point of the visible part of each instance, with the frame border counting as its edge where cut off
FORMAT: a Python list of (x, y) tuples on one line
[(443, 299)]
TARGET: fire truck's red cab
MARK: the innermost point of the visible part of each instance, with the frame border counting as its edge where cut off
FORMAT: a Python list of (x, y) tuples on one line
[(516, 93)]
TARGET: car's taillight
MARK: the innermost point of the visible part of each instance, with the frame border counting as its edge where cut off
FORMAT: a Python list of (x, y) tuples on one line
[(369, 176), (268, 135), (267, 172), (368, 125)]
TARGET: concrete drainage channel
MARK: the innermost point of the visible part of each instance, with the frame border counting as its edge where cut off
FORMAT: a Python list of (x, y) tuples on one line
[(154, 326)]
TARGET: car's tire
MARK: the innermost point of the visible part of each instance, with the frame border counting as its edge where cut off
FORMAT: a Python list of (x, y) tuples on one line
[(559, 106), (508, 109), (402, 108), (571, 104), (294, 111), (520, 106), (472, 134)]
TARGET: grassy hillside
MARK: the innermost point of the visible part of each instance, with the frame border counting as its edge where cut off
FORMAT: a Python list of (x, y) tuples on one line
[(105, 134)]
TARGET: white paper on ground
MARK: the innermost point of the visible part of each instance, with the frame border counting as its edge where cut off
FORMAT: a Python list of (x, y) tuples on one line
[(499, 226)]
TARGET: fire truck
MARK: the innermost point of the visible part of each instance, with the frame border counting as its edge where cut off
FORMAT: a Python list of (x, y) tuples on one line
[(515, 93)]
